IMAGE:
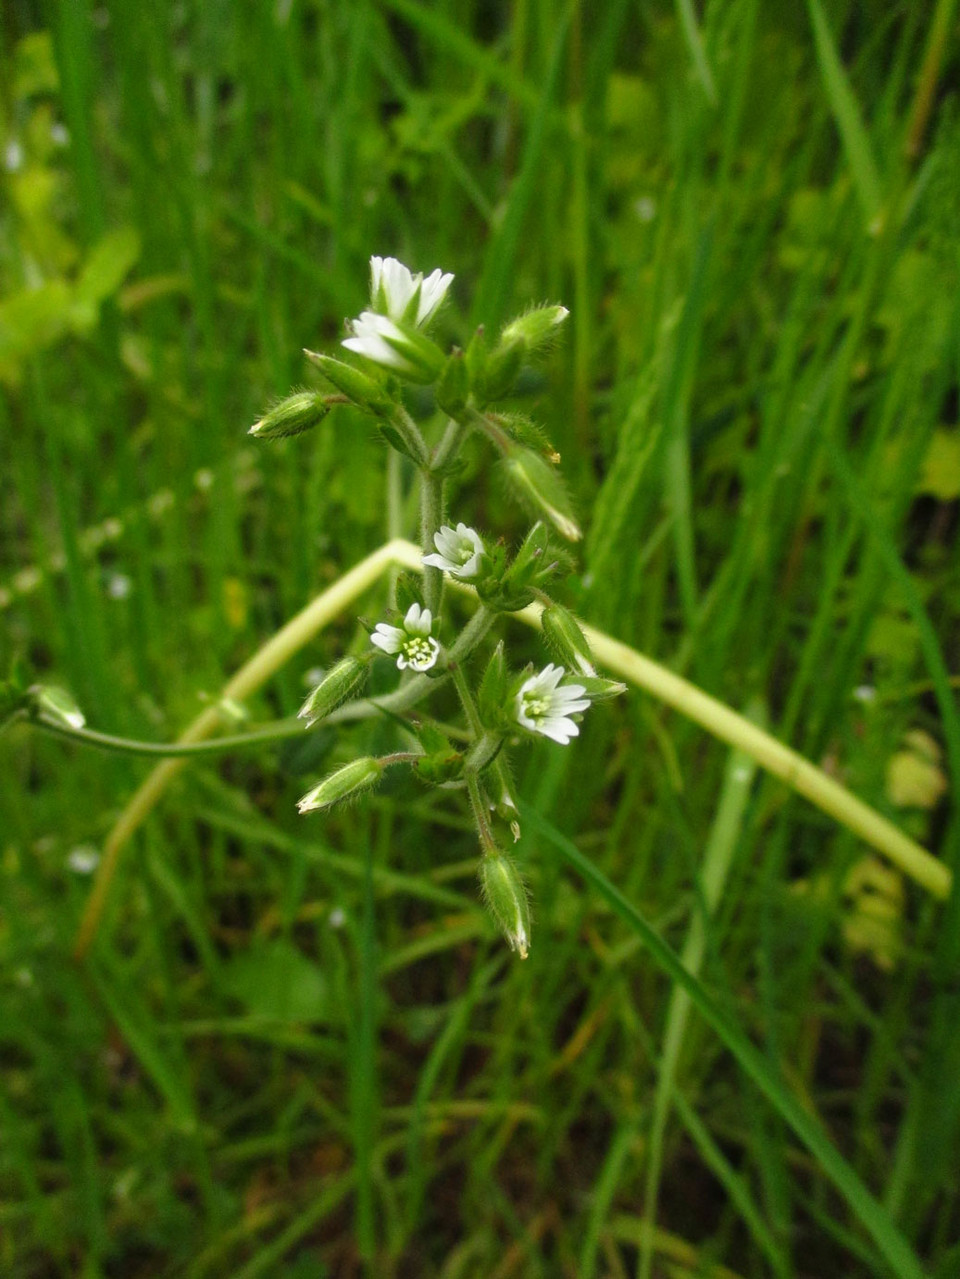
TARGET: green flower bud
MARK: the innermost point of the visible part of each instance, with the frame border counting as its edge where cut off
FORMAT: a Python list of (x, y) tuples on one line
[(599, 689), (540, 487), (454, 386), (58, 704), (359, 388), (297, 413), (567, 641), (537, 328), (345, 784), (341, 682), (506, 898), (502, 369)]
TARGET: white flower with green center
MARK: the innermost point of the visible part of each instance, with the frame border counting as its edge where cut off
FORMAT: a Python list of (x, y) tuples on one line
[(544, 706), (412, 643), (459, 551), (402, 296)]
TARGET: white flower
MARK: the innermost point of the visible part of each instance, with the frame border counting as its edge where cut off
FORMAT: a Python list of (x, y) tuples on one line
[(458, 552), (412, 643), (543, 706), (388, 343), (393, 288), (374, 336)]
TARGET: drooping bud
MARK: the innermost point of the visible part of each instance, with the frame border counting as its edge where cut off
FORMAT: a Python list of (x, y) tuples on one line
[(567, 641), (342, 682), (539, 487), (454, 386), (506, 898), (536, 328), (297, 413), (58, 704), (345, 784), (359, 388)]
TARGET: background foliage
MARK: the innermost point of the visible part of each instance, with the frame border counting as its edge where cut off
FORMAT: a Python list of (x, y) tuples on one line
[(297, 1047)]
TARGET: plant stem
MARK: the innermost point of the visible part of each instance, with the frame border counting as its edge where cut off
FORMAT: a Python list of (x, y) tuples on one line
[(431, 516), (275, 732), (487, 841), (467, 700)]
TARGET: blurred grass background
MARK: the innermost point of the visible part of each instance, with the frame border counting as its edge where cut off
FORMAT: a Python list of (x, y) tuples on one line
[(297, 1047)]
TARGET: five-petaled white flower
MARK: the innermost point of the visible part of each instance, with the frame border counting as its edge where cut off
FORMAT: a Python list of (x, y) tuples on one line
[(402, 296), (412, 643), (459, 551), (543, 705)]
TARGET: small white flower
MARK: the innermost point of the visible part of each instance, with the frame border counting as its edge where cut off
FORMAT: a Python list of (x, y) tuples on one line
[(412, 643), (458, 551), (376, 337), (394, 346), (543, 706), (393, 288)]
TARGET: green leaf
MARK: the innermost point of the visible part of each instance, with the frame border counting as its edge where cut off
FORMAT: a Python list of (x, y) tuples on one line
[(107, 266), (276, 981)]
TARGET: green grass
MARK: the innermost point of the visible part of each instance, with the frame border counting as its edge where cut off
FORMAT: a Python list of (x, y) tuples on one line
[(297, 1046)]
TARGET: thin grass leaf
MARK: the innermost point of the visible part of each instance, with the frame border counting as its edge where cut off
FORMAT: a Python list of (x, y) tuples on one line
[(871, 1214)]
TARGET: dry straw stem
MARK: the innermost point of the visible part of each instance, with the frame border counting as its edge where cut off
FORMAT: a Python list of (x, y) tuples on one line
[(798, 773)]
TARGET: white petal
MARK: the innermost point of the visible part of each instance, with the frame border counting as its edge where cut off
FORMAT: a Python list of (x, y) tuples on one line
[(418, 621), (388, 638), (432, 292), (558, 730), (439, 561)]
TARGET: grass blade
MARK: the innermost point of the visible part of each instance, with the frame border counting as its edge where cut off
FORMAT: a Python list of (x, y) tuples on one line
[(871, 1214)]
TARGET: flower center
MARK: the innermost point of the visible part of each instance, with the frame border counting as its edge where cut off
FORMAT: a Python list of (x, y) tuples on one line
[(419, 651), (534, 706)]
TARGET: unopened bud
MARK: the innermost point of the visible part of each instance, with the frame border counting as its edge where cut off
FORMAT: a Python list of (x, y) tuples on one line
[(599, 689), (341, 682), (345, 784), (454, 386), (297, 413), (506, 898), (502, 369), (567, 641), (359, 388), (539, 486), (58, 704), (537, 328)]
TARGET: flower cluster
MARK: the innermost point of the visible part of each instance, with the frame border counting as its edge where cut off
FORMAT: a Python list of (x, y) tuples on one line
[(392, 344)]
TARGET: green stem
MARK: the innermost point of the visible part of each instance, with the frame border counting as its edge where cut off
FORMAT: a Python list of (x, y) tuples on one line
[(487, 841), (467, 701), (276, 732), (431, 516)]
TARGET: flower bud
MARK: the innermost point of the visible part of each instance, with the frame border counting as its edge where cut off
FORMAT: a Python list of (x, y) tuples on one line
[(359, 388), (567, 641), (454, 386), (502, 369), (540, 487), (506, 898), (341, 682), (58, 704), (345, 784), (599, 689), (297, 413), (536, 328)]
